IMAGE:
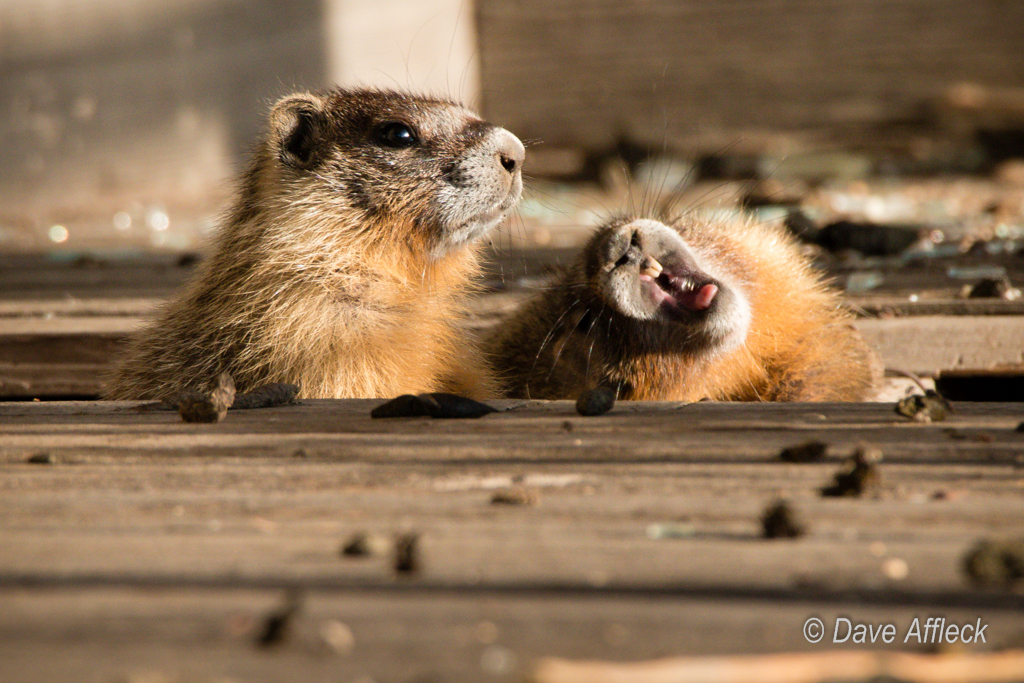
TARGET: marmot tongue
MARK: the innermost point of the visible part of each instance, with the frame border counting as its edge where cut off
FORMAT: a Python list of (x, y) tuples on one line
[(698, 299), (684, 293), (705, 295)]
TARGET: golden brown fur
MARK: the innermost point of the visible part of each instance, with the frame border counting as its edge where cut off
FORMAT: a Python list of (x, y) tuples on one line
[(344, 264), (800, 344)]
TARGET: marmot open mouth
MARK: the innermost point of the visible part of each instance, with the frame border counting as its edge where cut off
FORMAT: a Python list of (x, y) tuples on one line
[(684, 289)]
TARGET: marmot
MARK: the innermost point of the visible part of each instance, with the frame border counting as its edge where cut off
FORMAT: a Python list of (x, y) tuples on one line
[(343, 265), (704, 309)]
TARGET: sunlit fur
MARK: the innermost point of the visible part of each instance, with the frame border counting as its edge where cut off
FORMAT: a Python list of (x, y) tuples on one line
[(346, 277), (800, 344)]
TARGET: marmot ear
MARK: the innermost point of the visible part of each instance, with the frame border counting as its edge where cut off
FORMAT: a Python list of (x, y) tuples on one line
[(297, 127)]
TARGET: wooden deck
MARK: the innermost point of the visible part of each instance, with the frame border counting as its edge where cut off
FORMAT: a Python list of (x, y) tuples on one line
[(136, 548), (146, 549)]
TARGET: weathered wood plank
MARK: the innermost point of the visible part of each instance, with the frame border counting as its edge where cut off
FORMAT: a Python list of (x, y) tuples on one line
[(151, 547), (108, 306), (35, 277), (70, 356), (929, 344), (62, 325), (112, 634), (267, 496), (524, 431), (888, 307), (49, 380)]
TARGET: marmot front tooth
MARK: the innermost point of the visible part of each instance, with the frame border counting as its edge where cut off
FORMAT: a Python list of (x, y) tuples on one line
[(651, 267)]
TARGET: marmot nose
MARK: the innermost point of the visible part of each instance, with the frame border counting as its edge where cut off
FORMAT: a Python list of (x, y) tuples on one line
[(508, 163), (510, 152)]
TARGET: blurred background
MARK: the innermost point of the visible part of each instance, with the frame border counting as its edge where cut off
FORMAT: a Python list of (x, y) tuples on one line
[(123, 121)]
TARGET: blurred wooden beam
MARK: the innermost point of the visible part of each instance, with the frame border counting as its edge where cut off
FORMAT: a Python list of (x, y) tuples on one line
[(709, 74)]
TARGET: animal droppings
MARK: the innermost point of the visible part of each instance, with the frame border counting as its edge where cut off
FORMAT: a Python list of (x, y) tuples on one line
[(931, 407), (267, 396), (514, 496), (439, 406), (809, 451), (597, 401), (407, 560), (276, 624), (362, 544), (405, 405), (200, 409), (194, 406), (454, 407), (356, 546), (780, 521), (202, 406), (859, 474), (995, 563)]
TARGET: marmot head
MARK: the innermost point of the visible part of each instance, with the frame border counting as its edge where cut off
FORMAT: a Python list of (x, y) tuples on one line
[(427, 167), (645, 272)]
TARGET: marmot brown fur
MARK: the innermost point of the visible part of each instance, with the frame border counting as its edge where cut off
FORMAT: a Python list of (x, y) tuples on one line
[(715, 309), (343, 265)]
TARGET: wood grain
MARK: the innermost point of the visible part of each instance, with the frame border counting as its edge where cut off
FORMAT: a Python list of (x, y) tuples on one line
[(145, 546)]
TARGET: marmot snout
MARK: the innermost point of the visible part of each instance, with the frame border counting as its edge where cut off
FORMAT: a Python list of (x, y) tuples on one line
[(344, 263), (719, 309)]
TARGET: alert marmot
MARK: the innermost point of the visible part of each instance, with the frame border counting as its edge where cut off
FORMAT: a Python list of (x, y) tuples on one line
[(344, 262), (717, 309)]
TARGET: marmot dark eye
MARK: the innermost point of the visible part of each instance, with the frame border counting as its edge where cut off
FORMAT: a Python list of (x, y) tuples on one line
[(397, 135)]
